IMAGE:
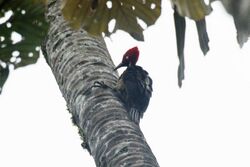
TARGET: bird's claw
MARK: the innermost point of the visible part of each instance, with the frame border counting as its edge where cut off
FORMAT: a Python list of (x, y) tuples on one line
[(99, 84)]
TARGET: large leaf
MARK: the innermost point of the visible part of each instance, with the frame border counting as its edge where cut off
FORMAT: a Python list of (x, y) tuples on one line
[(194, 9), (240, 10), (95, 15), (26, 21)]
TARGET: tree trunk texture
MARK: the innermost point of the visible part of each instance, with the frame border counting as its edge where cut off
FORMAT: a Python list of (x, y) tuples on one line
[(77, 60)]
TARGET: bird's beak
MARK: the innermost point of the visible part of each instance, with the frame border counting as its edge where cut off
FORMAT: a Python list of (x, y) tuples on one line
[(120, 65)]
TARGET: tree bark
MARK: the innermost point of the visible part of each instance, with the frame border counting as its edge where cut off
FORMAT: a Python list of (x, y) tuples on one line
[(77, 60)]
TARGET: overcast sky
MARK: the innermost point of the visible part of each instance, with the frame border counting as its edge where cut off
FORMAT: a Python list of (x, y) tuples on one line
[(203, 124)]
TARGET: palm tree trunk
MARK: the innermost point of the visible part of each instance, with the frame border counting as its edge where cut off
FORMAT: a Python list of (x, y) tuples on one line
[(77, 60)]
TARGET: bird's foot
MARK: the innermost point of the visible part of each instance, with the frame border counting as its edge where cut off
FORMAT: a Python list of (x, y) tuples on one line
[(100, 84)]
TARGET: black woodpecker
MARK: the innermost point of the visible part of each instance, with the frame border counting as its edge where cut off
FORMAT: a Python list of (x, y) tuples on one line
[(134, 86)]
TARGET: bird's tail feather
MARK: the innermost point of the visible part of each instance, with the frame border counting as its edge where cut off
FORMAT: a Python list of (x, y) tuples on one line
[(135, 115)]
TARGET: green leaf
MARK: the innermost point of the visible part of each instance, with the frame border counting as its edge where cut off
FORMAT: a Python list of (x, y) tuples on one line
[(194, 9), (27, 21), (95, 15), (4, 73)]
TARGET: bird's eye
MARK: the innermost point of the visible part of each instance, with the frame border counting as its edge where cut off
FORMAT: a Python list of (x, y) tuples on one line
[(126, 57)]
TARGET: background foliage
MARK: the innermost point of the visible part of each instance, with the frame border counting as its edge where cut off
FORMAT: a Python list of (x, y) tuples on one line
[(24, 21)]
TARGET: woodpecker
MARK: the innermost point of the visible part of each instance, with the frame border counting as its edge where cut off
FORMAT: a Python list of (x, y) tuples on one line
[(134, 86)]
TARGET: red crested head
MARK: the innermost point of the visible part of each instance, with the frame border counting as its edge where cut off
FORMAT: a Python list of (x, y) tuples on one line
[(129, 58)]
